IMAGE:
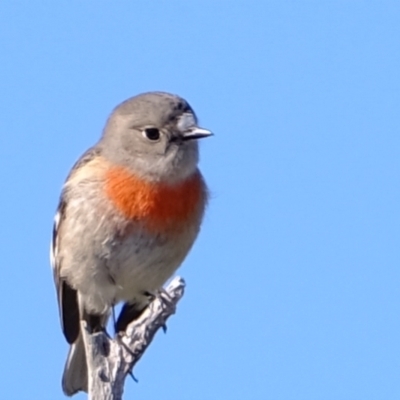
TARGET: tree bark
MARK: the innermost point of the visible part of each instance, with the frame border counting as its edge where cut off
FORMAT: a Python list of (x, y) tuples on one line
[(110, 360)]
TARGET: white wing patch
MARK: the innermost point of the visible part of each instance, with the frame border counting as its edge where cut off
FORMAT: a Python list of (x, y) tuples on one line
[(54, 241)]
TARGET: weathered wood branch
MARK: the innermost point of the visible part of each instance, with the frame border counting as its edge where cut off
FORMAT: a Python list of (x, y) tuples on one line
[(110, 360)]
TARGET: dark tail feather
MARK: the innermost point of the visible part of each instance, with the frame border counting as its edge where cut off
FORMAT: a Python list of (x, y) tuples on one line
[(75, 376), (128, 314)]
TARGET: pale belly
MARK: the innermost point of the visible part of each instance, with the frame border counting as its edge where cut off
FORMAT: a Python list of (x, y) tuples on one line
[(143, 264), (127, 269)]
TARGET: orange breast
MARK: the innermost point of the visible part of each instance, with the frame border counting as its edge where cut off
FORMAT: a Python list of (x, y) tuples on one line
[(158, 206)]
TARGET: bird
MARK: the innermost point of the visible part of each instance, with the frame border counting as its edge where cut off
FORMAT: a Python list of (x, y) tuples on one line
[(129, 212)]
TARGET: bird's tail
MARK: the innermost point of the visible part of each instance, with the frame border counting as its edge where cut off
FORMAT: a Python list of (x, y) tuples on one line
[(75, 376)]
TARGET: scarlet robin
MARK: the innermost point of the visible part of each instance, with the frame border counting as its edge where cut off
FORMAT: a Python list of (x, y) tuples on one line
[(128, 215)]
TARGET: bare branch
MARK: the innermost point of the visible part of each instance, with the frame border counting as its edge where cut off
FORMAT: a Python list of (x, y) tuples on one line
[(111, 360)]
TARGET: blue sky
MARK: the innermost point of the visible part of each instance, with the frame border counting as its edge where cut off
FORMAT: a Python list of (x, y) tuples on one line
[(293, 284)]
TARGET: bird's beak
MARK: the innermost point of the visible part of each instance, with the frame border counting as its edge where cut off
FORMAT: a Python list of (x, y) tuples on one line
[(196, 133)]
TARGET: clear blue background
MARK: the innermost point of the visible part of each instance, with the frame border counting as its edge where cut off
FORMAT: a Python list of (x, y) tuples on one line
[(293, 284)]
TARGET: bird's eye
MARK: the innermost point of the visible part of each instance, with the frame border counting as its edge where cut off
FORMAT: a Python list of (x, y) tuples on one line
[(151, 134)]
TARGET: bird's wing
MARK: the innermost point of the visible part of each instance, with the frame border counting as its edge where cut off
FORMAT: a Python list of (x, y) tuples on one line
[(67, 296)]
